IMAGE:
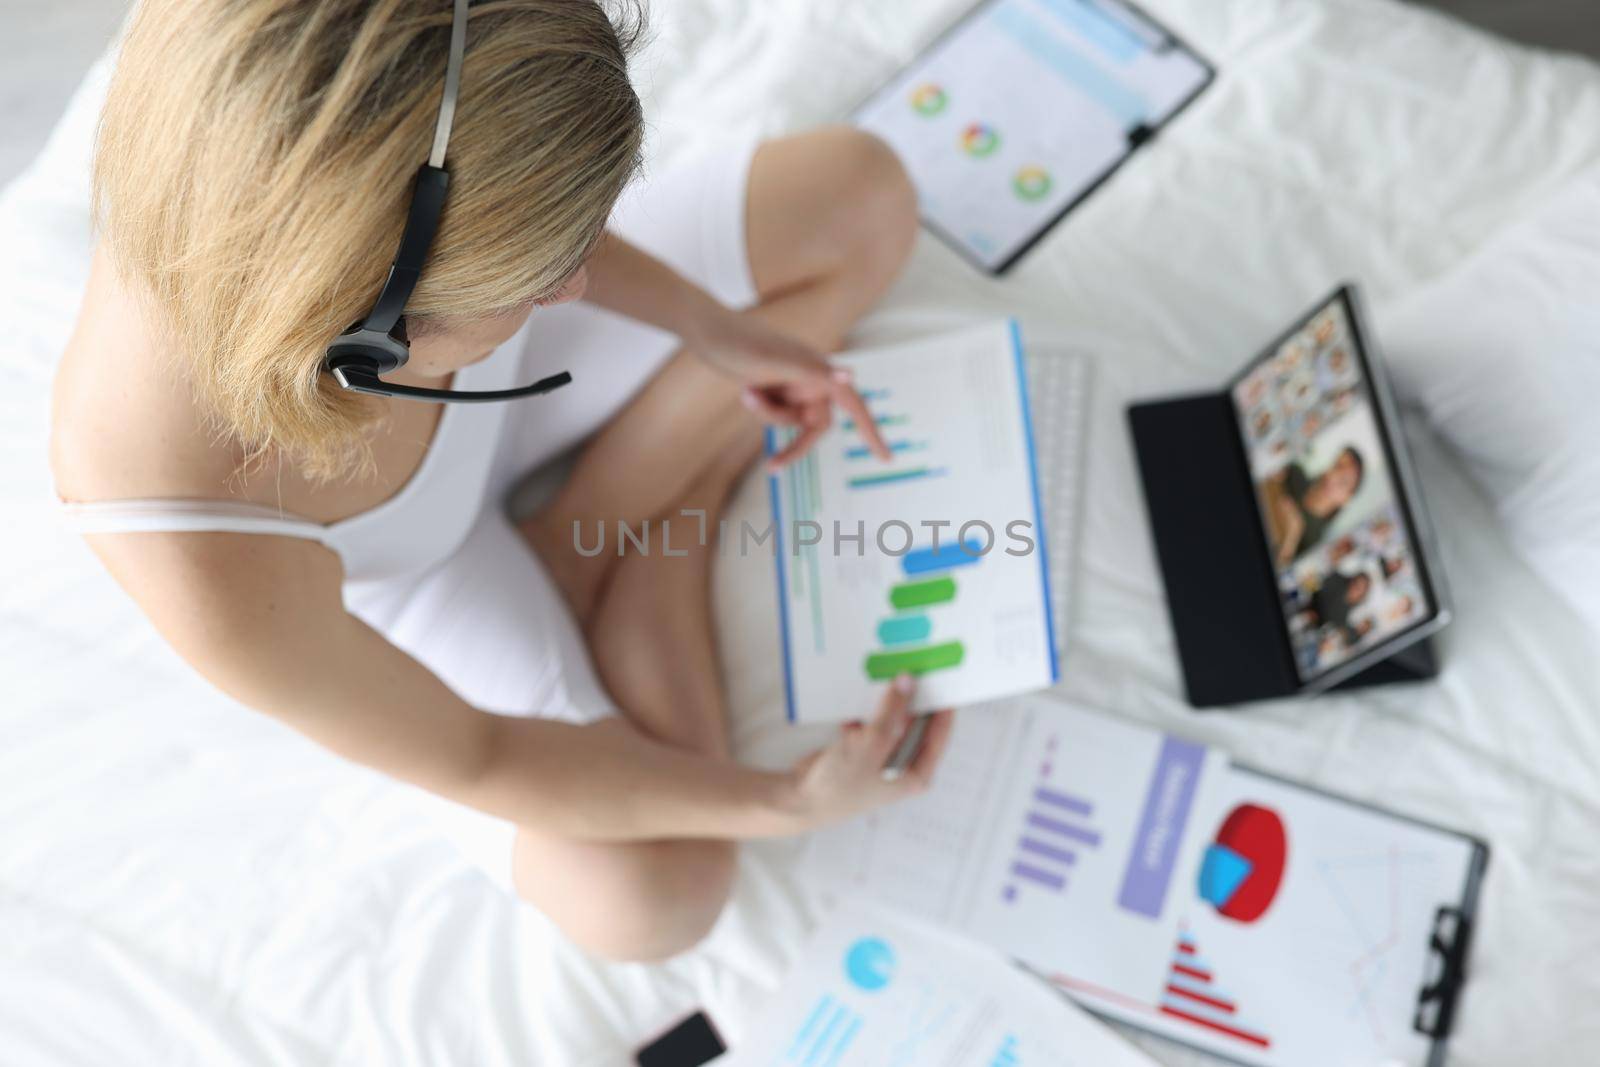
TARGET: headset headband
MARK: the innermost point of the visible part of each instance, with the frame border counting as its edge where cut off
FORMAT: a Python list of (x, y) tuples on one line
[(378, 343)]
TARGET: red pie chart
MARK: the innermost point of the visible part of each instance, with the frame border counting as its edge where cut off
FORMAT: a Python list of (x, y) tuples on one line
[(1243, 866)]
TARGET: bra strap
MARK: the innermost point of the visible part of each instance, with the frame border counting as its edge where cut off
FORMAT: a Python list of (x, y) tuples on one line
[(188, 516)]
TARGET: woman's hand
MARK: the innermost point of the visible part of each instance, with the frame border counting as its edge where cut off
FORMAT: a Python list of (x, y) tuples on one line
[(847, 778), (787, 383)]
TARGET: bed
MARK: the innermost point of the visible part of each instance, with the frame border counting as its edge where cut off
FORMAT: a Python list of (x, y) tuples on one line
[(183, 881)]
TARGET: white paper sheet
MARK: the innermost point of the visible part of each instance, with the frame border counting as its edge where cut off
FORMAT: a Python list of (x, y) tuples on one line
[(872, 990), (934, 562), (1260, 920), (1064, 838)]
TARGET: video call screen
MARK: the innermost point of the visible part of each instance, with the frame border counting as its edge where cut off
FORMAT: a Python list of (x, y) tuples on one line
[(1342, 550)]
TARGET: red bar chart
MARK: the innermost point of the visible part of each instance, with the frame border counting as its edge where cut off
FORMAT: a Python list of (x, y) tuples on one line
[(1191, 994)]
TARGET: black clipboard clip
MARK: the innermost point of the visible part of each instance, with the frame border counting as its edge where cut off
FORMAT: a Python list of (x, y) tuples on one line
[(1140, 134), (1447, 970)]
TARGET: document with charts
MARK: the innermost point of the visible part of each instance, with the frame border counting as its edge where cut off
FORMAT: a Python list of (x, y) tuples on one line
[(933, 562), (874, 990), (1160, 884), (1023, 108)]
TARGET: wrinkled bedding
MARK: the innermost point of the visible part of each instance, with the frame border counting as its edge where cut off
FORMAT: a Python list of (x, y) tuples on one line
[(183, 881)]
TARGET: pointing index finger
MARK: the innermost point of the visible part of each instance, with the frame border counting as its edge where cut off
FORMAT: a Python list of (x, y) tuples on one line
[(846, 396)]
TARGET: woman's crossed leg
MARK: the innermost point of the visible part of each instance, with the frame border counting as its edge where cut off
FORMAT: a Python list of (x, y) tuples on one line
[(830, 219)]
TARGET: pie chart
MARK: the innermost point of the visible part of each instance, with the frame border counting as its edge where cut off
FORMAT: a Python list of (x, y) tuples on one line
[(869, 963), (979, 140), (929, 99), (1032, 183), (1243, 866)]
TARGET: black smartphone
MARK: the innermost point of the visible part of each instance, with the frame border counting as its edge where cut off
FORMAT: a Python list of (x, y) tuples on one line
[(691, 1043)]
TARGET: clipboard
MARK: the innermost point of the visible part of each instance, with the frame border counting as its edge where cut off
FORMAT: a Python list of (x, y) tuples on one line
[(1445, 943), (1022, 109), (1162, 885)]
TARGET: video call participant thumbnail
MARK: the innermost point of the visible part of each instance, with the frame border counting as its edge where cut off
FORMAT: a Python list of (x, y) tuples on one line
[(1300, 508)]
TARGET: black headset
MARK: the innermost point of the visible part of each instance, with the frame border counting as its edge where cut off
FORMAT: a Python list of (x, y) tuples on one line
[(378, 343)]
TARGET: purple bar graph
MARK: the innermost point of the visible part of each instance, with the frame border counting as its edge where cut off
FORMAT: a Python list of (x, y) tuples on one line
[(1049, 879), (1065, 801), (1065, 829), (1053, 817), (1048, 851)]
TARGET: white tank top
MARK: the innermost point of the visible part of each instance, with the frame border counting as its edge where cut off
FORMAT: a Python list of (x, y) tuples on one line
[(418, 527)]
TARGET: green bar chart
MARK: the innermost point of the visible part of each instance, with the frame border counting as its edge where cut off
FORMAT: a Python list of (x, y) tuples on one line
[(922, 592), (910, 645), (885, 665)]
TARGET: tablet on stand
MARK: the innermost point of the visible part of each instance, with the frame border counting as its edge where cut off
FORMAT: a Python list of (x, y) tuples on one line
[(1293, 541)]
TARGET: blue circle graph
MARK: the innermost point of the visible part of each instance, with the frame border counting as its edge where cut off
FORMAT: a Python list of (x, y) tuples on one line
[(869, 964)]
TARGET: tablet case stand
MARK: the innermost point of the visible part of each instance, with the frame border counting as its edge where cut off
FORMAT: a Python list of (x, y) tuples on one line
[(1221, 592)]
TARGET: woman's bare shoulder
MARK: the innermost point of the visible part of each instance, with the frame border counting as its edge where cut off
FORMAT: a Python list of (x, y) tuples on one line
[(123, 423), (124, 427)]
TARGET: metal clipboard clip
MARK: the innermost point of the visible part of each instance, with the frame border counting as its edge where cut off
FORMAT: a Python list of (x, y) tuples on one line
[(1445, 974)]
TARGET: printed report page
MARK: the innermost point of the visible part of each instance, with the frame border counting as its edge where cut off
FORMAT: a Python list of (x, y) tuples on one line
[(1066, 838), (932, 563)]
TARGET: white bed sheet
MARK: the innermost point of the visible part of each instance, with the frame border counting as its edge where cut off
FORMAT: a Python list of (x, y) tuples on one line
[(182, 881)]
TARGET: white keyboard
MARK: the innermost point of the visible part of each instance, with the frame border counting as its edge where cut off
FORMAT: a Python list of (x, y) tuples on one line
[(1058, 393)]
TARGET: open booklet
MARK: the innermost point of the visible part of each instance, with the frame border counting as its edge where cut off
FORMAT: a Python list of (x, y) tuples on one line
[(933, 563), (873, 990), (1162, 885)]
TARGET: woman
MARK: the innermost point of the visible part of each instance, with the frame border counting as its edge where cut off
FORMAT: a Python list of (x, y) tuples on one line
[(1300, 508), (343, 562)]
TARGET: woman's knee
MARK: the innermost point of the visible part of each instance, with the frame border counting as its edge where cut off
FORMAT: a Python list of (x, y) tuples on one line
[(829, 201), (873, 206), (668, 904), (659, 901)]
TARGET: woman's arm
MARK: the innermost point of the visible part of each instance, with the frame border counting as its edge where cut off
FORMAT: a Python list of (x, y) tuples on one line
[(262, 618), (786, 381), (628, 280), (1291, 528), (1281, 514)]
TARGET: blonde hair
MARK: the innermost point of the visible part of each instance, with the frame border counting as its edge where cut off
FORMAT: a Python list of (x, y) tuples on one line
[(255, 159)]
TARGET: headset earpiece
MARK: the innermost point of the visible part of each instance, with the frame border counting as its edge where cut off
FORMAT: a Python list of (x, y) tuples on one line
[(363, 348)]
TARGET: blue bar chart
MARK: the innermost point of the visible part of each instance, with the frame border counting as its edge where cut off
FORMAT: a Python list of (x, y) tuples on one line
[(870, 481), (895, 447), (1115, 39), (1115, 95), (942, 557), (898, 447), (825, 1035)]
